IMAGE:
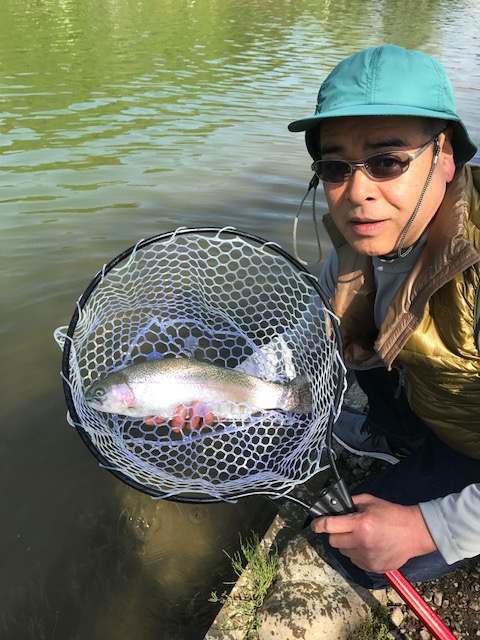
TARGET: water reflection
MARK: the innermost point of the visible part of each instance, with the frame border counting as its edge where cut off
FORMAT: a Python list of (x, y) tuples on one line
[(121, 120), (180, 562), (119, 564)]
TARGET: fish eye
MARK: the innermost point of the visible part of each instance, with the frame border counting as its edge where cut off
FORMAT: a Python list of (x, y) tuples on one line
[(99, 392)]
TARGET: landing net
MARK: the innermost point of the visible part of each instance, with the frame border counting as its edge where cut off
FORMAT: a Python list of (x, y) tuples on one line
[(222, 296)]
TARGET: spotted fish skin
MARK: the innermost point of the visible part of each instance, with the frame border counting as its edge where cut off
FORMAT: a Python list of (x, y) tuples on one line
[(158, 387)]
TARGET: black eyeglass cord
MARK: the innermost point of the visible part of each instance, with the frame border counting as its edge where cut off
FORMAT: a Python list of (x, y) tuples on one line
[(403, 254), (313, 184)]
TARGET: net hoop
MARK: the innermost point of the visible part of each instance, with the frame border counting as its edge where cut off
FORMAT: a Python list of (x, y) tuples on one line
[(76, 337)]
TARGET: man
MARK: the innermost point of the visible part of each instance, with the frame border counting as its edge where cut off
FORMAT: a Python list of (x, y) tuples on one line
[(404, 219)]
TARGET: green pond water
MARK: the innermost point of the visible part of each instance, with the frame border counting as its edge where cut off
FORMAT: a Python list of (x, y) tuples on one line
[(119, 120)]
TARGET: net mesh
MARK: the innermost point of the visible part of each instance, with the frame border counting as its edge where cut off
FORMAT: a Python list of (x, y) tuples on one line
[(228, 300)]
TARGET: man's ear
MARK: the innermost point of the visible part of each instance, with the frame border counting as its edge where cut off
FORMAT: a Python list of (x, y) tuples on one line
[(447, 160)]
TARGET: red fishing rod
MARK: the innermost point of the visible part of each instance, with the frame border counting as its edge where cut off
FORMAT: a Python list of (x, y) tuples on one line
[(420, 608)]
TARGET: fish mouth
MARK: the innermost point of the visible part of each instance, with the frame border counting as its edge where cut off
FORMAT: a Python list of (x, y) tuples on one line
[(92, 400), (97, 404)]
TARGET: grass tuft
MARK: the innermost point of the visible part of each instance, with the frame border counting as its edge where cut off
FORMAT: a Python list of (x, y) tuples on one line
[(375, 626), (257, 566)]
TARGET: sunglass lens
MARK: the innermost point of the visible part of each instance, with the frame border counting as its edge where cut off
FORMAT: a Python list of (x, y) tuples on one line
[(386, 165), (333, 170)]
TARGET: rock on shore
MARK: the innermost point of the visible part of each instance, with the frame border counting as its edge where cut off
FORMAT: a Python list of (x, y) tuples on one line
[(310, 600)]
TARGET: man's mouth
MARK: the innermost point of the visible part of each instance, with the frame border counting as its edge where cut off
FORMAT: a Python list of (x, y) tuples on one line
[(367, 227)]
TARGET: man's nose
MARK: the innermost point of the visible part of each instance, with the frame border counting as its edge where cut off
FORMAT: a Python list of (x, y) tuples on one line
[(360, 186)]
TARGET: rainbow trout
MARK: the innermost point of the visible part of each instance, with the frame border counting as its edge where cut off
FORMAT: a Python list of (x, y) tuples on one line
[(158, 387)]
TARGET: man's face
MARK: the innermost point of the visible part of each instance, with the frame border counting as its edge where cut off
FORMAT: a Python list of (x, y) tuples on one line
[(372, 215)]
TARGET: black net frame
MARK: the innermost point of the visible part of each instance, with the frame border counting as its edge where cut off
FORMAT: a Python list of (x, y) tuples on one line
[(121, 259)]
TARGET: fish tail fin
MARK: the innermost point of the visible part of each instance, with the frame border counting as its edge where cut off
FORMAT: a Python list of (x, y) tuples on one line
[(298, 397)]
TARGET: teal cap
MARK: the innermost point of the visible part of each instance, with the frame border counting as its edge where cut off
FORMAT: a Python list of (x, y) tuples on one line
[(387, 81)]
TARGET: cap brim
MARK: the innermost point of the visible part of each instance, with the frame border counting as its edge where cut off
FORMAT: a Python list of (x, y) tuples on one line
[(305, 124), (464, 147)]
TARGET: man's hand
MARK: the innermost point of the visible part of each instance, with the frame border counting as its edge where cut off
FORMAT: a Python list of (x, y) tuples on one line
[(381, 536), (192, 417)]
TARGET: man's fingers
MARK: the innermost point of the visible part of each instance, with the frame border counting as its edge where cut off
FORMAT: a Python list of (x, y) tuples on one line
[(195, 422), (342, 524), (334, 524), (181, 418), (194, 417), (186, 417), (154, 420)]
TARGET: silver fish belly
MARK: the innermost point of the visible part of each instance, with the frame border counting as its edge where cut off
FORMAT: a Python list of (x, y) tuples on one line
[(158, 387)]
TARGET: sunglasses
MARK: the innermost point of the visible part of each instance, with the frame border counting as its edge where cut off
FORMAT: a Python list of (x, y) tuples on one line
[(381, 166)]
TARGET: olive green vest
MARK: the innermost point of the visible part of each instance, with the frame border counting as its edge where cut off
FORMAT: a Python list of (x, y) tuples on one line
[(429, 327)]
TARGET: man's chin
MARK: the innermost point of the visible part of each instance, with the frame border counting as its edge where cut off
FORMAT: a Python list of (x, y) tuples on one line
[(371, 248)]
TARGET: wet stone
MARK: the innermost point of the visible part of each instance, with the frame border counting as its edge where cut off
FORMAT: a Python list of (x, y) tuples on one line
[(310, 600)]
